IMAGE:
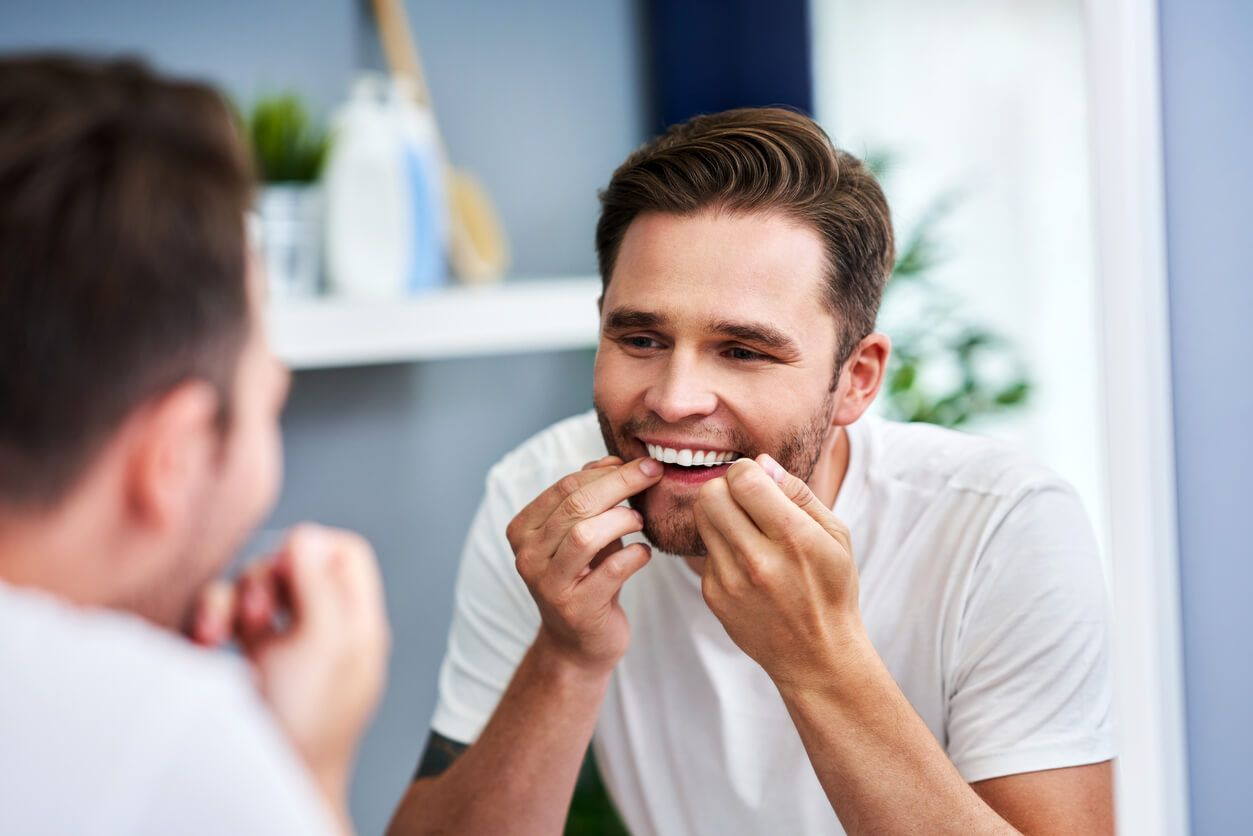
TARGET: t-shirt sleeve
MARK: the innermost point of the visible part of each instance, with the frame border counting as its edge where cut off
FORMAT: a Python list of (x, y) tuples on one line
[(1030, 687), (229, 769), (494, 618)]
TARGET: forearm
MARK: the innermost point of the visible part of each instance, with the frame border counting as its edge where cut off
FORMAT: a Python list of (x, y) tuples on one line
[(882, 769), (519, 776)]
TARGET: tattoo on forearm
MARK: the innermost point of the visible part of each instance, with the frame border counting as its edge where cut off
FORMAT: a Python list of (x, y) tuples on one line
[(439, 754)]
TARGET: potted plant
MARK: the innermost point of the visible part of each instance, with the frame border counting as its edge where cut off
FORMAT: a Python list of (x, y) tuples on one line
[(289, 149), (947, 367)]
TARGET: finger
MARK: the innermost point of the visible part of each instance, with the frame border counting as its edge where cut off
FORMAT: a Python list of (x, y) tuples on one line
[(586, 538), (336, 574), (720, 571), (606, 580), (604, 461), (302, 569), (803, 497), (765, 502), (258, 596), (727, 518), (360, 577), (593, 497), (540, 509), (599, 495), (211, 626), (716, 546)]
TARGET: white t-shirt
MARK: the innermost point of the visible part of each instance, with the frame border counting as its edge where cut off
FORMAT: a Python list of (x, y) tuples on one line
[(981, 589), (109, 725)]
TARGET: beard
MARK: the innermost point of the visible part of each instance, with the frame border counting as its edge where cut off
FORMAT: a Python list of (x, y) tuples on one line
[(674, 530)]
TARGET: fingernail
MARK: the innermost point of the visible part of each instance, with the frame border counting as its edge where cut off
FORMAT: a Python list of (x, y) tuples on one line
[(638, 516), (776, 471), (650, 467)]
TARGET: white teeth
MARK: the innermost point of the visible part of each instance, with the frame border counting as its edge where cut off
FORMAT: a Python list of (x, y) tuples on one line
[(689, 457)]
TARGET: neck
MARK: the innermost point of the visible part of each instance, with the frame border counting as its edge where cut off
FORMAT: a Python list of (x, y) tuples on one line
[(73, 550), (825, 481)]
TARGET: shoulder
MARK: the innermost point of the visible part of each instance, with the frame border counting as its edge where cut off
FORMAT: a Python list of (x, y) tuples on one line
[(548, 455), (940, 460), (80, 680)]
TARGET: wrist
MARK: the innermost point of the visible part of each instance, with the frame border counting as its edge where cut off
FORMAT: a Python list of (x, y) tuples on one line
[(565, 666), (839, 667)]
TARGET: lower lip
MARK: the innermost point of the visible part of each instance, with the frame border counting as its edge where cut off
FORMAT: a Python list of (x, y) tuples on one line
[(694, 475)]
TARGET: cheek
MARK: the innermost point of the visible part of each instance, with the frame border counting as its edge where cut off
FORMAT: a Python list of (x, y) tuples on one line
[(617, 383), (257, 470)]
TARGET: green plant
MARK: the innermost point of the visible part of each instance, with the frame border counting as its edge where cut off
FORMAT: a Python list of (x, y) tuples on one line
[(289, 147), (946, 368)]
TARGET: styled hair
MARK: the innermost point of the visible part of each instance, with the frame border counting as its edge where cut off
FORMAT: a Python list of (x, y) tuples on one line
[(122, 257), (764, 160)]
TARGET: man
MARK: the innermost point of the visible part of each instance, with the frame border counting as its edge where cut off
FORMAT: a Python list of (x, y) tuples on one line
[(883, 627), (139, 446)]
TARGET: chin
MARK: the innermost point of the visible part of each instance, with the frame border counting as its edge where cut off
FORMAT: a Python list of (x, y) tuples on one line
[(673, 532)]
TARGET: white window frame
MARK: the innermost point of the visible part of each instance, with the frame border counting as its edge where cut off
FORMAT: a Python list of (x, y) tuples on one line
[(1125, 100)]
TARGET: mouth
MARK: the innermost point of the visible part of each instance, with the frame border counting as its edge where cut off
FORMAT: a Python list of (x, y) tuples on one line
[(689, 464)]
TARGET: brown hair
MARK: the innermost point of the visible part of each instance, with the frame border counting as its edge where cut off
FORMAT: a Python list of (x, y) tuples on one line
[(122, 257), (764, 160)]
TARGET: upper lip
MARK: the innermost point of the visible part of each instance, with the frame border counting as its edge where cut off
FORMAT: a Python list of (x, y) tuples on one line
[(688, 445)]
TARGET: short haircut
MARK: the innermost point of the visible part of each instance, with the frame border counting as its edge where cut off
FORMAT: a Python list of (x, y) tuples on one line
[(122, 257), (764, 160)]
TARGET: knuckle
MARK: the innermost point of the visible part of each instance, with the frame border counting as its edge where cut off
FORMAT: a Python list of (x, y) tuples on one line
[(523, 564), (614, 569), (582, 535), (513, 533), (579, 504), (755, 571), (569, 484)]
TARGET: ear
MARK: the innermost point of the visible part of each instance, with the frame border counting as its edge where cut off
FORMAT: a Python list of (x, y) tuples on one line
[(174, 445), (861, 378)]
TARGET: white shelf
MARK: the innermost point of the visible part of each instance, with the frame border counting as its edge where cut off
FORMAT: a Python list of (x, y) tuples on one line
[(509, 318)]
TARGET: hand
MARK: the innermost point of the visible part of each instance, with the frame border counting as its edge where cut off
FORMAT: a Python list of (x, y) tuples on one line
[(568, 545), (312, 622), (779, 574)]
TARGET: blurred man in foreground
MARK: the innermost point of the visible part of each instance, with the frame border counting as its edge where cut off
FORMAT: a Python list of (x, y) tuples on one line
[(139, 447), (859, 624)]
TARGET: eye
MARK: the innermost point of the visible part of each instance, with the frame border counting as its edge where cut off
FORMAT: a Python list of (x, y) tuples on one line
[(745, 355), (639, 343)]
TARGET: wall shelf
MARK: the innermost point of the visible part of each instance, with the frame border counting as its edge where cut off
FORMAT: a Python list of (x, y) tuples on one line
[(510, 318)]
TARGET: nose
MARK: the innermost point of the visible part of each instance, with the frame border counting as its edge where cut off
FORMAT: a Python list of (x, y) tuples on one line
[(681, 391)]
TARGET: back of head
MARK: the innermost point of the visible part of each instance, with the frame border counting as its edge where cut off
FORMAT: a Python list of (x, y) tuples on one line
[(122, 258), (764, 160)]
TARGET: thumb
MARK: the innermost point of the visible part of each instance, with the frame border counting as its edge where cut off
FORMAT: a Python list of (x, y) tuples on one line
[(795, 489), (304, 563), (213, 619)]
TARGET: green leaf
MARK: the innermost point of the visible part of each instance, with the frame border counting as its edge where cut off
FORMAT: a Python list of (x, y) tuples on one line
[(287, 145)]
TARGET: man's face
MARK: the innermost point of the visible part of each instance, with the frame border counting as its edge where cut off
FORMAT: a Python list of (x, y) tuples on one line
[(715, 340), (243, 486)]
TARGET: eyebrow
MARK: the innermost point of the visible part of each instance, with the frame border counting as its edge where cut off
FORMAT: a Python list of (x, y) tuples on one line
[(621, 319), (758, 333)]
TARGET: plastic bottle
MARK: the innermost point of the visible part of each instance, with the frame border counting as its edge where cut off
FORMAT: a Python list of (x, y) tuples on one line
[(369, 200)]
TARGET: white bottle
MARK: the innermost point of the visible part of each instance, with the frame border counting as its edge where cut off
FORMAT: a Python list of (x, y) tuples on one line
[(369, 202)]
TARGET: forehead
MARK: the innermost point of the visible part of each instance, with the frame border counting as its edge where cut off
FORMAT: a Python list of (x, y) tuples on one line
[(723, 265)]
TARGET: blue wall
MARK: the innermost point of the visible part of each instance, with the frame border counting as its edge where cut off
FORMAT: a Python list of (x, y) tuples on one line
[(1207, 82), (542, 100)]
